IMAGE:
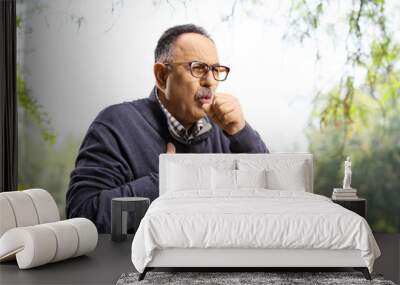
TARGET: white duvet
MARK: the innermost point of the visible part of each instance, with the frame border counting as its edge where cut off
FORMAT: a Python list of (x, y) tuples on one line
[(251, 218)]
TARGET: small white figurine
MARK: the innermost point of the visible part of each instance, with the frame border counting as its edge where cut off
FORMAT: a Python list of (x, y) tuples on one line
[(347, 174)]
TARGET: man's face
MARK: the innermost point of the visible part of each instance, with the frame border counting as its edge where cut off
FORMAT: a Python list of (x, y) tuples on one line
[(182, 88)]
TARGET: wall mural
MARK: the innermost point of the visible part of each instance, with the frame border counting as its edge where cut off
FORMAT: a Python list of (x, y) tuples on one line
[(317, 76)]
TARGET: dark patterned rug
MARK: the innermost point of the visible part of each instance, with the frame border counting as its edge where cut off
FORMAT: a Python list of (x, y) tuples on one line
[(229, 278)]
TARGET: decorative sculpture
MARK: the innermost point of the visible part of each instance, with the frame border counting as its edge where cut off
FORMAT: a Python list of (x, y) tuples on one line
[(347, 174)]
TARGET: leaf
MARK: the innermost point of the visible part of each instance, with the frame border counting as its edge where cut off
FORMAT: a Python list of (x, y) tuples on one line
[(18, 21)]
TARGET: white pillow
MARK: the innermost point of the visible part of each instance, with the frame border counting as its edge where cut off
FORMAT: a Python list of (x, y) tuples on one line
[(282, 174), (182, 177), (223, 179), (292, 179), (251, 178)]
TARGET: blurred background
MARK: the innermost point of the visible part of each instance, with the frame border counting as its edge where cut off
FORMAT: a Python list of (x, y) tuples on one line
[(313, 76)]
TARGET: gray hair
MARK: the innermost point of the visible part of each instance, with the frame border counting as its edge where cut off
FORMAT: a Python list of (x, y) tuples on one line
[(167, 40)]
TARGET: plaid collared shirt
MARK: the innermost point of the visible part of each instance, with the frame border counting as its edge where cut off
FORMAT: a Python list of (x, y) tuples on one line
[(179, 131)]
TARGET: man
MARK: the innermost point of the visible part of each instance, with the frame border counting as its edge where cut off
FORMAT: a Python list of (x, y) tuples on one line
[(184, 114)]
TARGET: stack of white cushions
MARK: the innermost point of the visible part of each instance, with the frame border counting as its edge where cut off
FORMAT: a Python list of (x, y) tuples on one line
[(31, 232), (229, 176)]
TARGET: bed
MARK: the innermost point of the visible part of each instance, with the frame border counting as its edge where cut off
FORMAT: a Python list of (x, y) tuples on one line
[(247, 210)]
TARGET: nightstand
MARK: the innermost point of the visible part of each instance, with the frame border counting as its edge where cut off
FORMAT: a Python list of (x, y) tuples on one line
[(358, 205)]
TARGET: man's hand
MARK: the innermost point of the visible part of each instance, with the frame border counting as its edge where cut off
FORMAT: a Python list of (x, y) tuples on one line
[(171, 148), (226, 112)]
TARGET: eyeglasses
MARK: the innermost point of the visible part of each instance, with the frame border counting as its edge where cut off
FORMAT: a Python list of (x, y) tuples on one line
[(200, 69)]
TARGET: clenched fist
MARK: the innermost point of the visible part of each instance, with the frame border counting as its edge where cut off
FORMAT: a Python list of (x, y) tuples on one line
[(226, 112)]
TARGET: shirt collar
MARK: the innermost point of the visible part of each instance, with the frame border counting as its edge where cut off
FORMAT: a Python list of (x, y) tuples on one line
[(179, 131)]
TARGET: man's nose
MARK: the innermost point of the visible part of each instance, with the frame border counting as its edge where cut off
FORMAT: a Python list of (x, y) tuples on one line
[(208, 80)]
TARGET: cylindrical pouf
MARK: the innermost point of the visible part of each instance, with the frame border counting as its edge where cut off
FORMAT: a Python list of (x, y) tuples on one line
[(67, 239), (33, 246), (87, 235), (7, 218), (40, 244), (45, 205), (23, 208)]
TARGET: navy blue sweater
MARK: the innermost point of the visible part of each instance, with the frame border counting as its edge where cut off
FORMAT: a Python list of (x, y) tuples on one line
[(119, 156)]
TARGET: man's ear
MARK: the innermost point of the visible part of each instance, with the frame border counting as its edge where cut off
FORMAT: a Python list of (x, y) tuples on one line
[(161, 74)]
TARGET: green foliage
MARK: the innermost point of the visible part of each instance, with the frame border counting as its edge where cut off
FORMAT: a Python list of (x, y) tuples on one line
[(30, 105), (34, 110), (375, 151), (45, 166), (369, 131), (370, 48), (361, 121), (40, 163), (18, 21)]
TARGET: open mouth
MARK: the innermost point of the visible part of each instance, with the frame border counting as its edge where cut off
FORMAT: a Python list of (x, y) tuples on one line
[(205, 99), (204, 96)]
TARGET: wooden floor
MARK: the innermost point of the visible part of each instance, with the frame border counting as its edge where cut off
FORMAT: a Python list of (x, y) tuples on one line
[(389, 262)]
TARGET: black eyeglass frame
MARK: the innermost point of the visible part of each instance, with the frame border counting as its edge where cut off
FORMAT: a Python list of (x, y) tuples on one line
[(213, 68)]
